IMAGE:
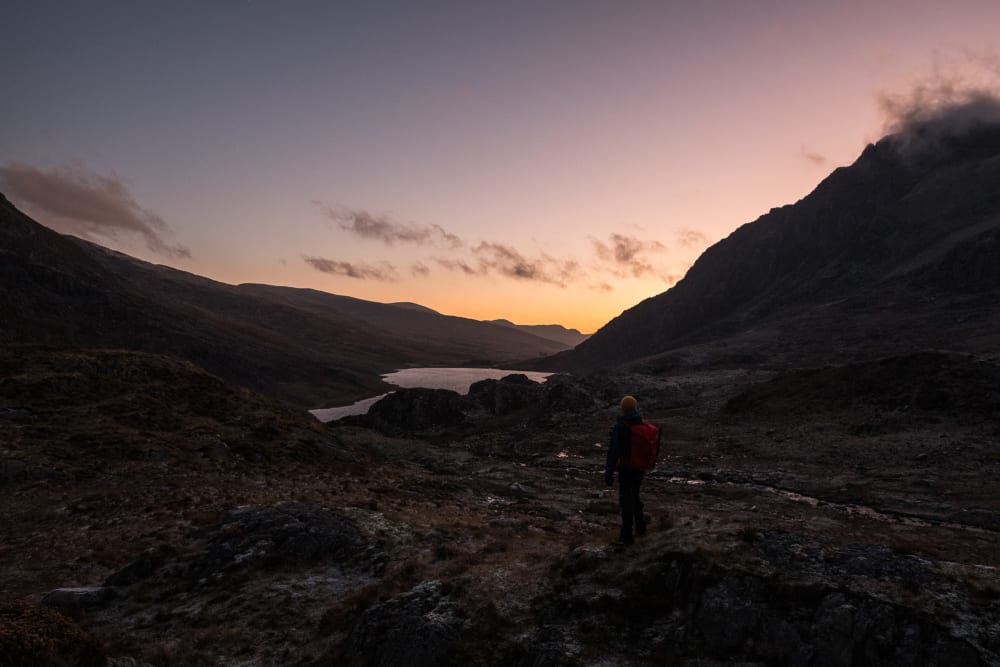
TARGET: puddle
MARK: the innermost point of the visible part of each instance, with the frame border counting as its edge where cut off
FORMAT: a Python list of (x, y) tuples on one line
[(686, 481)]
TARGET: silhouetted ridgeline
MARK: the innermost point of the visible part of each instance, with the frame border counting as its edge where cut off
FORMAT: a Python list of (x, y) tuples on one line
[(900, 250), (304, 346)]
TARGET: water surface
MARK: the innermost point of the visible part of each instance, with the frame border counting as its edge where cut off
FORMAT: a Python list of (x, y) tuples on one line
[(455, 379)]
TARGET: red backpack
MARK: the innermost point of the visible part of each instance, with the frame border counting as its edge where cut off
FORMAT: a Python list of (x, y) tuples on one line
[(645, 448)]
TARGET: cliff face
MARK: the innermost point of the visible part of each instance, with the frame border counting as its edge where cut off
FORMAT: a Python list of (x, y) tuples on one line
[(908, 227)]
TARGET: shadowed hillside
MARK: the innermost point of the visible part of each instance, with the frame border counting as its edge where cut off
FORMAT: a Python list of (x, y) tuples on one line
[(307, 347), (556, 332), (900, 250)]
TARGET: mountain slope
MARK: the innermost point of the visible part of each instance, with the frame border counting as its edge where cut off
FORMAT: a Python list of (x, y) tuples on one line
[(556, 332), (881, 254), (427, 333), (306, 347)]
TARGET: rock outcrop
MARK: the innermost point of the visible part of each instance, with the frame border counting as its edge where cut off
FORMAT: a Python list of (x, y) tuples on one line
[(417, 628), (890, 243), (779, 598), (410, 410)]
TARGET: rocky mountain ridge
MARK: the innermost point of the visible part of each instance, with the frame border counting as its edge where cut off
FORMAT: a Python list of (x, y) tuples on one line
[(904, 237)]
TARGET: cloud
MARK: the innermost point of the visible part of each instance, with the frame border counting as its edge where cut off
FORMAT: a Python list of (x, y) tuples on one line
[(498, 258), (960, 95), (811, 157), (460, 265), (381, 228), (510, 262), (74, 200), (627, 255), (383, 272), (689, 238)]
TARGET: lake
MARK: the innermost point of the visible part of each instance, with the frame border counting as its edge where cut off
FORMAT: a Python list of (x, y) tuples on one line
[(455, 379)]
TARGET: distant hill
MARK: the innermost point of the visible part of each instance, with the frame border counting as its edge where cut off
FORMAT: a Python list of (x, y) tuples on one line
[(307, 347), (555, 332), (414, 306), (899, 251)]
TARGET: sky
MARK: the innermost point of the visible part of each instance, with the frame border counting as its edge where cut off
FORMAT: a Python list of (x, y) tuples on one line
[(543, 162)]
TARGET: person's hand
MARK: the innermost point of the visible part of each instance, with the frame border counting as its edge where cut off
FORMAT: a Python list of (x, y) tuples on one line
[(609, 479)]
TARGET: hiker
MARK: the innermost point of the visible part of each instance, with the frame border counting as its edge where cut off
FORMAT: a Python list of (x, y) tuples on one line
[(632, 450)]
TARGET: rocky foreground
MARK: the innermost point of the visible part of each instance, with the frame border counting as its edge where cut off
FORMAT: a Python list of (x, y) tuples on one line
[(155, 515)]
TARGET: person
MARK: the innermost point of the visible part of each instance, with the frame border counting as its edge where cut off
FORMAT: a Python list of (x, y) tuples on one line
[(629, 479)]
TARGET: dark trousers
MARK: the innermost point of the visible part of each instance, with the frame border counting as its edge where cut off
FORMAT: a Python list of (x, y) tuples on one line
[(629, 482)]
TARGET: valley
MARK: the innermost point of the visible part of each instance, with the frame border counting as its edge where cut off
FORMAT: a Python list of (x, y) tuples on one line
[(236, 531), (827, 379)]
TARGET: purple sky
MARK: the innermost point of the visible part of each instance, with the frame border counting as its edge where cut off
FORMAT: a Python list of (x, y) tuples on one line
[(539, 161)]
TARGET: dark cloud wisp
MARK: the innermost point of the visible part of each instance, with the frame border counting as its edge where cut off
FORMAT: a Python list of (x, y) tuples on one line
[(383, 272), (508, 261), (812, 157), (690, 238), (381, 228), (74, 200), (620, 257), (497, 258), (627, 255)]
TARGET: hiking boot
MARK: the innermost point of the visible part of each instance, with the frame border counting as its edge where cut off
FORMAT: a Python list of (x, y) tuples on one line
[(640, 525)]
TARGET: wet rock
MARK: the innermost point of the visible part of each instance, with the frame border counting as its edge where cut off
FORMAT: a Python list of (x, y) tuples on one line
[(418, 628), (74, 599)]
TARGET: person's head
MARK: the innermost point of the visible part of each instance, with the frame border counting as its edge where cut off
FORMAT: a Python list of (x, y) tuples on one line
[(629, 404)]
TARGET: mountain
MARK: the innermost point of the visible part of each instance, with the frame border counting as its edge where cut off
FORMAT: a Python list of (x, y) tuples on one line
[(556, 332), (414, 306), (900, 250), (306, 347)]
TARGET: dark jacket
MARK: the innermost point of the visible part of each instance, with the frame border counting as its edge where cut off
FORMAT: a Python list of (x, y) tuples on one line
[(620, 442)]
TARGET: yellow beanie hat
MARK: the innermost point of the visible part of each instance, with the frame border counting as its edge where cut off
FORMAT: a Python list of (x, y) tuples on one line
[(629, 403)]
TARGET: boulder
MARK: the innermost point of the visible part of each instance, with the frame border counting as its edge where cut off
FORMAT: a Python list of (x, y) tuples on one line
[(74, 599), (418, 628), (141, 568), (509, 394), (409, 410), (265, 536)]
